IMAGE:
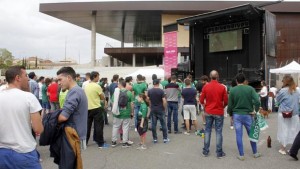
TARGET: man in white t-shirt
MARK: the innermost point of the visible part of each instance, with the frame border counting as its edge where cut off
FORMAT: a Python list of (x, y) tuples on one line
[(19, 115), (87, 80)]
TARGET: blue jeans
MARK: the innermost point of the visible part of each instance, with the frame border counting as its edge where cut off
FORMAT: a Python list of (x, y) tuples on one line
[(239, 121), (161, 117), (173, 109), (218, 127), (10, 159), (136, 114)]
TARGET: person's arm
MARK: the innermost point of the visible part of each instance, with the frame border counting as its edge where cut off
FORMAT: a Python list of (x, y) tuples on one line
[(202, 96), (230, 103), (225, 98), (164, 103), (36, 122), (256, 100), (62, 118), (69, 107)]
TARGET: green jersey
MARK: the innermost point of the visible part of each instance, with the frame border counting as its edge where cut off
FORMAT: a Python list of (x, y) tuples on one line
[(139, 88), (125, 113)]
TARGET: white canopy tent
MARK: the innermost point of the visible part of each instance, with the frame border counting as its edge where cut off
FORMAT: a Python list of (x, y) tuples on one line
[(292, 67), (148, 72)]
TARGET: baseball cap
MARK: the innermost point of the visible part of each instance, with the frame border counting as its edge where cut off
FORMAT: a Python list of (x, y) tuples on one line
[(156, 81)]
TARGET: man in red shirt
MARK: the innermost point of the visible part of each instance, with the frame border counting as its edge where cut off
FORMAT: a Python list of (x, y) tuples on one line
[(52, 92), (214, 98)]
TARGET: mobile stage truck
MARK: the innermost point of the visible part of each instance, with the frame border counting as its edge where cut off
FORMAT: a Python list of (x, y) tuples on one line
[(233, 40)]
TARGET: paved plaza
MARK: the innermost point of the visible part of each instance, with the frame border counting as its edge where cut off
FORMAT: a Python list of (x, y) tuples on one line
[(182, 152)]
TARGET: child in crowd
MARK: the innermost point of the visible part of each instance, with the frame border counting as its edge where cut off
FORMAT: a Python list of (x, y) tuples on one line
[(142, 120)]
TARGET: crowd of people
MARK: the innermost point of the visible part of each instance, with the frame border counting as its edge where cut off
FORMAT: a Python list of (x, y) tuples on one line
[(83, 104)]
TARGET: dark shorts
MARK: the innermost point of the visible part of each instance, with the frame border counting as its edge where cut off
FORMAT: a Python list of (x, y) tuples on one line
[(143, 130)]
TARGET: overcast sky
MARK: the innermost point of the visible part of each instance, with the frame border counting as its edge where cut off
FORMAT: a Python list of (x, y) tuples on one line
[(26, 32)]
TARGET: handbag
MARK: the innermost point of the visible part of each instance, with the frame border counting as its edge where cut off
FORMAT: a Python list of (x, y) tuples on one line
[(287, 114)]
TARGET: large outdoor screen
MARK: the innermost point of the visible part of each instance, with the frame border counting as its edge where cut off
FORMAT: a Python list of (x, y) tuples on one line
[(225, 41)]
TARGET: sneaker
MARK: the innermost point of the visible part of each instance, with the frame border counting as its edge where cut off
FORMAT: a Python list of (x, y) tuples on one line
[(135, 129), (130, 142), (126, 145), (231, 127), (282, 152), (169, 131), (186, 133), (166, 140), (103, 146), (256, 155), (294, 156), (142, 147), (154, 141), (113, 143), (221, 156), (205, 154), (242, 158)]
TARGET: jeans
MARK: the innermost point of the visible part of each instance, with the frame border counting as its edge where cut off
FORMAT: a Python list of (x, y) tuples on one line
[(10, 159), (240, 121), (96, 115), (219, 138), (161, 117), (136, 114), (173, 109)]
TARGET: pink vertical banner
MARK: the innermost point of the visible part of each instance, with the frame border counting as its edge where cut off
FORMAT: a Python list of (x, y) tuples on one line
[(170, 52)]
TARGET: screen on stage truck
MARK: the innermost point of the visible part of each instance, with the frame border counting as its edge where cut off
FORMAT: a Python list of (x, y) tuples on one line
[(225, 41)]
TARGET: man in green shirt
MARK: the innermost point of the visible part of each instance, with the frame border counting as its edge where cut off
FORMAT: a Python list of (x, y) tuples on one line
[(79, 83), (242, 99), (123, 119)]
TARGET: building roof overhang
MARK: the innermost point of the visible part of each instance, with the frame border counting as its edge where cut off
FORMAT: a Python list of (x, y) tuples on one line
[(129, 20)]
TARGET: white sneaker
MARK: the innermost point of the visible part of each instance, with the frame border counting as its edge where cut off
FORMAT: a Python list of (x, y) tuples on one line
[(142, 147), (231, 127), (130, 142), (186, 133), (135, 129)]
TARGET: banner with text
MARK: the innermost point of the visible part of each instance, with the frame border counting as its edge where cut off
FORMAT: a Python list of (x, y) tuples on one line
[(170, 52)]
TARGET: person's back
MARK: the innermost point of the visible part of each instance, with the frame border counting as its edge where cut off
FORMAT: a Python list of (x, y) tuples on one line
[(62, 97), (139, 88), (242, 99), (53, 92), (215, 96), (155, 95), (112, 88), (92, 91), (189, 95), (172, 90)]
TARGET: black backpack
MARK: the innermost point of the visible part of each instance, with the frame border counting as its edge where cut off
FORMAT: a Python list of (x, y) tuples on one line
[(123, 99)]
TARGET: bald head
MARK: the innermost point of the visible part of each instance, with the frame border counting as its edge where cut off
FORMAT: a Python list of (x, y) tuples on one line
[(214, 75)]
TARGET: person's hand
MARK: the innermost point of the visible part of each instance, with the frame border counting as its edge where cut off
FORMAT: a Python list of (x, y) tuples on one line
[(141, 126)]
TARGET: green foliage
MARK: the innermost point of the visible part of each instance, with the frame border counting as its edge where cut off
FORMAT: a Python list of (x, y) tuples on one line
[(6, 58)]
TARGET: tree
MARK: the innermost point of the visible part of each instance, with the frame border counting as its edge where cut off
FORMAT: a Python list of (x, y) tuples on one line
[(6, 58)]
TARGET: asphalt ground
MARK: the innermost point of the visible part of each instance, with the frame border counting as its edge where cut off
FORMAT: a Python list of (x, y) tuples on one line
[(182, 152)]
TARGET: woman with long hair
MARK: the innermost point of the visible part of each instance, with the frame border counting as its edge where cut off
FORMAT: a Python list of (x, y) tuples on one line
[(288, 126)]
